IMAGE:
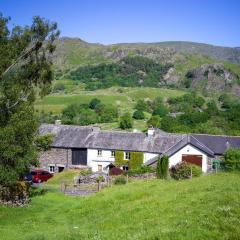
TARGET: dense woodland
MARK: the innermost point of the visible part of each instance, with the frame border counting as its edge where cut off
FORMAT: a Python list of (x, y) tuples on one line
[(128, 72)]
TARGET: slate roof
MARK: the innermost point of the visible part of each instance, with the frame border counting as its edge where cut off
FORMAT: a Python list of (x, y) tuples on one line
[(217, 143), (69, 136)]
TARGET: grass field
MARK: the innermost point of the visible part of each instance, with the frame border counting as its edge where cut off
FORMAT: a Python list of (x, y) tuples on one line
[(203, 208), (123, 98)]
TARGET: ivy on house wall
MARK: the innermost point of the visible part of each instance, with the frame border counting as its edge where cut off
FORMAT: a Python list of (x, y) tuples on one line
[(119, 159), (136, 159)]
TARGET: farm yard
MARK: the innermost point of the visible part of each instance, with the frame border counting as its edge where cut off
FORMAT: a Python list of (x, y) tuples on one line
[(206, 207)]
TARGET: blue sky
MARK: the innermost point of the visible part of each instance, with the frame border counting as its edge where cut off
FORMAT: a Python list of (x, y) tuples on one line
[(112, 21)]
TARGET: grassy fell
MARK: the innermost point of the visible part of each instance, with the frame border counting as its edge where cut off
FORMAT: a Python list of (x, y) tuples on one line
[(202, 208)]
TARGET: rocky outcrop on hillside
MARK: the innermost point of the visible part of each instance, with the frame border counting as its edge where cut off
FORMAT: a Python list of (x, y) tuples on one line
[(212, 77), (160, 55)]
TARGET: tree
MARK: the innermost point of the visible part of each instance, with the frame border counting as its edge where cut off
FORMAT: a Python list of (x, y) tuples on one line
[(94, 102), (25, 70), (141, 105), (162, 167), (85, 117), (160, 110), (109, 114), (154, 121), (126, 121), (138, 115)]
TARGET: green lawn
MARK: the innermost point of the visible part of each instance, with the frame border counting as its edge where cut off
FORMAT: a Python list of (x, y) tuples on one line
[(203, 208), (124, 98)]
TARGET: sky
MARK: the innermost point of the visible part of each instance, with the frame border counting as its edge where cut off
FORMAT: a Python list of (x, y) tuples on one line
[(116, 21)]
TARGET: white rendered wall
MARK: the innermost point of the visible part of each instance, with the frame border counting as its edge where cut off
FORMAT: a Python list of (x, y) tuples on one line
[(148, 156), (93, 160), (188, 150)]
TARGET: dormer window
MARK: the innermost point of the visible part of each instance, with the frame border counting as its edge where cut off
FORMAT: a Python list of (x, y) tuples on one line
[(99, 153), (127, 156)]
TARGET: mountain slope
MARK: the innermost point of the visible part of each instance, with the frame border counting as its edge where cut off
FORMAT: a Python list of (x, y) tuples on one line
[(75, 57), (221, 53)]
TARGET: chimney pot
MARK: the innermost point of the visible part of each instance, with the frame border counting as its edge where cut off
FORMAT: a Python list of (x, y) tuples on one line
[(58, 122)]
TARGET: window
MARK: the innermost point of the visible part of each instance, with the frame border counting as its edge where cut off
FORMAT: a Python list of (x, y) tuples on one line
[(99, 153), (125, 167), (51, 168), (112, 153), (127, 156)]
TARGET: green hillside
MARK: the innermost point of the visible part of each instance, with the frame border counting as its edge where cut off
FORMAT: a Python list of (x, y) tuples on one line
[(202, 208), (148, 64)]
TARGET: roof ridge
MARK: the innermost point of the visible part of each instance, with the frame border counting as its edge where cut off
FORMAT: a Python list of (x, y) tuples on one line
[(218, 135), (183, 136)]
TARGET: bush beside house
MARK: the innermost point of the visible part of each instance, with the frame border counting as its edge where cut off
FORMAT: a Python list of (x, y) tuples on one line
[(232, 159), (185, 170)]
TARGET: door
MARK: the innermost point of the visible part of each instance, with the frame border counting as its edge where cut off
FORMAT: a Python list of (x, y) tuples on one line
[(193, 159), (99, 168), (60, 169), (79, 156)]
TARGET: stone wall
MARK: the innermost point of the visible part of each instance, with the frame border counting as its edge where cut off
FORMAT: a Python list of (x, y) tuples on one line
[(57, 157)]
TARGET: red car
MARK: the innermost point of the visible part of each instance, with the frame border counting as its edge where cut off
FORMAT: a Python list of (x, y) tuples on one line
[(39, 176)]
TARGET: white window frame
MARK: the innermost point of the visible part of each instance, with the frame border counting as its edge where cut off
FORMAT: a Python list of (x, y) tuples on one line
[(127, 155), (99, 153), (50, 168), (113, 154)]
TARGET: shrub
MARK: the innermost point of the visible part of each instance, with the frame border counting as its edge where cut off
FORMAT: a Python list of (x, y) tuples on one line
[(162, 167), (232, 159), (15, 193), (140, 170), (161, 111), (36, 191), (182, 170), (138, 115), (120, 180), (58, 87), (100, 179)]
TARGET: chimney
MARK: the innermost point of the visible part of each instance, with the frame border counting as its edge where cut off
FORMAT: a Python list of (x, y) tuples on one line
[(58, 122), (227, 145), (150, 132)]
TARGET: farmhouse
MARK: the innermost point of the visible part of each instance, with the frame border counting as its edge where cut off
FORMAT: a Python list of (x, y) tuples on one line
[(90, 147)]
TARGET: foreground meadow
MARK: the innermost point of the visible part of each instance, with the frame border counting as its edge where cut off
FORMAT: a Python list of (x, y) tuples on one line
[(203, 208)]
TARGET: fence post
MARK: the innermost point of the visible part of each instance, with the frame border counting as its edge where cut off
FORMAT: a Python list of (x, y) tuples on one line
[(99, 186)]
